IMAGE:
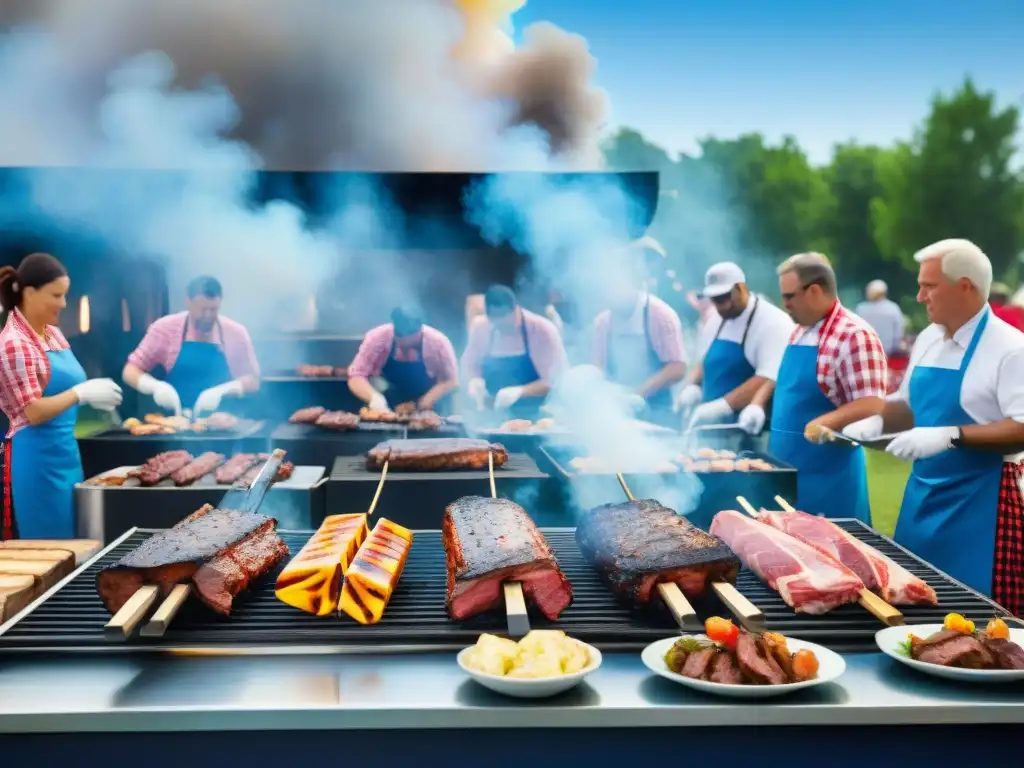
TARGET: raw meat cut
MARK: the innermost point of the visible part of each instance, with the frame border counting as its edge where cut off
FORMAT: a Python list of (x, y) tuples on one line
[(198, 468), (160, 466), (237, 466)]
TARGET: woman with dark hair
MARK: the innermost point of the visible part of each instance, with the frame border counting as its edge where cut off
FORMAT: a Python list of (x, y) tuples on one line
[(41, 386)]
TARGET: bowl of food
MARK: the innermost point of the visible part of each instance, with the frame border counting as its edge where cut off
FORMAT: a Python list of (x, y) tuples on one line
[(544, 663), (728, 661), (958, 650)]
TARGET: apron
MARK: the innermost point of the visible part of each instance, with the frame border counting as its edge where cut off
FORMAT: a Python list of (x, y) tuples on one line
[(725, 364), (42, 465), (831, 479), (513, 371), (408, 381), (632, 361), (949, 510), (200, 366)]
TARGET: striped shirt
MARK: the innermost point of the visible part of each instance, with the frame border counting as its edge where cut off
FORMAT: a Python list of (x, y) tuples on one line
[(162, 344), (438, 354), (24, 366)]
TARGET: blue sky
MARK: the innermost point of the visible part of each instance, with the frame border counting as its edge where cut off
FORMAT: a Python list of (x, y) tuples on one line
[(824, 71)]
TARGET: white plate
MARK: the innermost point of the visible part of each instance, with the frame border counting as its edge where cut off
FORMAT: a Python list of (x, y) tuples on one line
[(538, 688), (890, 638), (830, 666)]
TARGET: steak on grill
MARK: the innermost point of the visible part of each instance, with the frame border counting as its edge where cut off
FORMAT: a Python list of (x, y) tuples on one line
[(491, 541), (307, 415), (636, 545), (236, 466), (204, 538), (198, 468), (161, 466), (340, 421), (443, 454), (807, 580)]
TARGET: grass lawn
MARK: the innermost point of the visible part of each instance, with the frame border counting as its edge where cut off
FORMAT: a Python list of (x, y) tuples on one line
[(887, 477)]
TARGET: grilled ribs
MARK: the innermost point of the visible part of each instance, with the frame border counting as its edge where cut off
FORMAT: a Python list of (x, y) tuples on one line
[(161, 466), (219, 551), (307, 415), (235, 467), (444, 454), (491, 541), (198, 468), (341, 421), (636, 545)]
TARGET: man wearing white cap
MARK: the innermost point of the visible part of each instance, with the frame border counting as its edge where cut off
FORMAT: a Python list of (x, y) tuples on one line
[(745, 341), (884, 315), (960, 414)]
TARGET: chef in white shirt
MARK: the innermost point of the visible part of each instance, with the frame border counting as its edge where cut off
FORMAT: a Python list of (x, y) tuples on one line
[(744, 340), (960, 415)]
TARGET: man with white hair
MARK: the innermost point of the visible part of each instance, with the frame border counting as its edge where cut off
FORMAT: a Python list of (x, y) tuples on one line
[(884, 315), (833, 373), (960, 414)]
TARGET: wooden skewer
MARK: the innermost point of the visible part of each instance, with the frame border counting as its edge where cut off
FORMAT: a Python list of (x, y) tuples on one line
[(125, 620), (161, 620), (868, 600), (684, 614), (516, 618), (380, 487)]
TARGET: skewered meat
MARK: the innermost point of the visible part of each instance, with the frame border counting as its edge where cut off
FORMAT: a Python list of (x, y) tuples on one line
[(435, 455), (219, 550), (881, 574), (491, 541), (340, 421), (307, 415), (636, 545), (807, 580), (371, 579), (160, 466), (198, 468), (284, 471), (311, 582), (235, 467)]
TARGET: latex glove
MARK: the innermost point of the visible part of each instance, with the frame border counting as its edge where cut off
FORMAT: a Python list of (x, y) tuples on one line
[(507, 397), (477, 391), (922, 442), (164, 395), (688, 397), (378, 402), (710, 413), (636, 402), (101, 394), (209, 401), (865, 429), (751, 419)]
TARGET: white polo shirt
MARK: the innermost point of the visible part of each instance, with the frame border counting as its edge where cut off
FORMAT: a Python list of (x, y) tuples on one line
[(767, 338)]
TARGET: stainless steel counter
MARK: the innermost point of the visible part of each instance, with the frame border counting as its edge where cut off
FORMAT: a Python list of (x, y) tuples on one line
[(153, 693)]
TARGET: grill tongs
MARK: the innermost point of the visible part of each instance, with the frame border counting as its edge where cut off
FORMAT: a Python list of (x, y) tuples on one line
[(124, 622)]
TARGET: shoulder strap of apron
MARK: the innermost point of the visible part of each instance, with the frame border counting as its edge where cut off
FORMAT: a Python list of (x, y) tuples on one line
[(750, 320), (974, 340), (217, 327)]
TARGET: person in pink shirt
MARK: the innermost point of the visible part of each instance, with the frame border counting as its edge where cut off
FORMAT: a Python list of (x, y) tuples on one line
[(417, 362), (199, 356), (512, 356)]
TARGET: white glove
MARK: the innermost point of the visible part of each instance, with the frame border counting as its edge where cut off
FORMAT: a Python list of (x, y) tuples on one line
[(688, 397), (865, 429), (477, 391), (209, 401), (378, 402), (710, 413), (922, 442), (636, 402), (165, 395), (751, 419), (507, 397), (101, 394)]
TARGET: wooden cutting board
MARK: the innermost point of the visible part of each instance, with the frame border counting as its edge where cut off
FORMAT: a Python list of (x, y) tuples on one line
[(28, 568)]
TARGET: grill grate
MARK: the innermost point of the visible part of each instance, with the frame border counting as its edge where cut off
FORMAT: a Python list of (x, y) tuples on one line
[(73, 618), (519, 465), (245, 429)]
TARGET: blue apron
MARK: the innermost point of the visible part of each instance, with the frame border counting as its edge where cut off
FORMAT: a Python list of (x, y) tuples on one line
[(831, 479), (45, 463), (949, 510), (725, 364), (200, 366), (513, 371), (408, 381), (631, 360)]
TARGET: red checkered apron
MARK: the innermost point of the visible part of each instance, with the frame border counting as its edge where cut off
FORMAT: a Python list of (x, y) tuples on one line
[(1008, 563), (8, 525)]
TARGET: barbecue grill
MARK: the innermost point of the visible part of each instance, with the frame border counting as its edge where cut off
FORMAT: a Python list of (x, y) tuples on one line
[(418, 499), (307, 444), (120, 448), (71, 616), (106, 512)]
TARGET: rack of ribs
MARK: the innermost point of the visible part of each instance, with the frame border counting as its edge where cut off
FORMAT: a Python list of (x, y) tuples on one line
[(161, 466), (219, 551), (488, 542), (636, 545), (198, 468), (444, 454), (809, 581)]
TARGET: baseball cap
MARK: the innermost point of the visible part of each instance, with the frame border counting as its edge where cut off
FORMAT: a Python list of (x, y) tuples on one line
[(721, 278)]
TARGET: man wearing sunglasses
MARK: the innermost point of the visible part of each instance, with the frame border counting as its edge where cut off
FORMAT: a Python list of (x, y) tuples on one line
[(833, 373), (745, 340)]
